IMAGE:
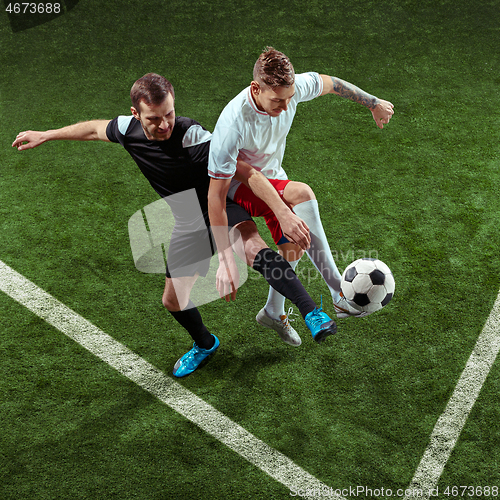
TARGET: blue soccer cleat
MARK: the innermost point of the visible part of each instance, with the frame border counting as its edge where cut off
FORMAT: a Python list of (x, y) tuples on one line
[(193, 358), (320, 324)]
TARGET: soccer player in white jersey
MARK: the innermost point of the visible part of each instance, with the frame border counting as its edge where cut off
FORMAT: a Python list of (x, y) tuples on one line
[(254, 127), (172, 153)]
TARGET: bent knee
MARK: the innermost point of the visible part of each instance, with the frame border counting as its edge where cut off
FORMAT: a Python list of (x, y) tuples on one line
[(245, 229), (298, 192), (251, 242), (248, 233), (170, 303)]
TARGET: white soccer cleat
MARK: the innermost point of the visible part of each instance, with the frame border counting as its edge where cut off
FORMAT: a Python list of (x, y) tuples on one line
[(281, 325), (344, 310)]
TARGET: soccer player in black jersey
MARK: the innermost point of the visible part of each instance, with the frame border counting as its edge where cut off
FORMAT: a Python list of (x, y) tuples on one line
[(172, 153)]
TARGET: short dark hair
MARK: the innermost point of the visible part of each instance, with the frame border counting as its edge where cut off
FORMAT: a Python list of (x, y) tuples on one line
[(274, 69), (153, 89)]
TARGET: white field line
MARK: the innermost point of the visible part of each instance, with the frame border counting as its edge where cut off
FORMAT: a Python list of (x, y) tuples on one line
[(449, 425), (167, 390)]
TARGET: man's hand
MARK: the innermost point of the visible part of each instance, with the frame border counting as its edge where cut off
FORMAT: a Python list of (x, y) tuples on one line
[(92, 130), (28, 140), (228, 277), (293, 227), (295, 230), (382, 112)]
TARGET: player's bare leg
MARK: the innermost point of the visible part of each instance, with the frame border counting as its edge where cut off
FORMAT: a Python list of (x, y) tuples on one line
[(176, 300), (177, 291)]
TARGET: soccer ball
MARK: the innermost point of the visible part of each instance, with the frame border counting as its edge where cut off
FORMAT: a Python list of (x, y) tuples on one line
[(368, 285)]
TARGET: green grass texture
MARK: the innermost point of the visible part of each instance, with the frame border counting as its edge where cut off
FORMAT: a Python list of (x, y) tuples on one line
[(423, 195)]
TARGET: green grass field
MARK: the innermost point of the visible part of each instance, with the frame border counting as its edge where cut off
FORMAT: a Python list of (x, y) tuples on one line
[(423, 195)]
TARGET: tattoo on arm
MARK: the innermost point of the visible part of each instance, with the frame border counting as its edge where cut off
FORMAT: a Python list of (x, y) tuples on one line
[(350, 91)]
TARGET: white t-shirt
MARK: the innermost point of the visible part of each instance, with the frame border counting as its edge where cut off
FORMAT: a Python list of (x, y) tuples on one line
[(258, 138)]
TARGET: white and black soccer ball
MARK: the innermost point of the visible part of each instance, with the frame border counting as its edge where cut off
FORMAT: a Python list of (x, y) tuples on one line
[(368, 285)]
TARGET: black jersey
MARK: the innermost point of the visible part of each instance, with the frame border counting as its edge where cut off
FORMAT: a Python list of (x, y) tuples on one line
[(177, 168), (172, 166)]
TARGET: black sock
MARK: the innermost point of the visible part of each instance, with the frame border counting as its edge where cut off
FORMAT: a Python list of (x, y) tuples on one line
[(279, 274), (191, 320)]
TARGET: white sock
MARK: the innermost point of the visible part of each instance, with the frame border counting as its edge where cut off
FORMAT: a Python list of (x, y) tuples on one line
[(275, 305), (319, 251)]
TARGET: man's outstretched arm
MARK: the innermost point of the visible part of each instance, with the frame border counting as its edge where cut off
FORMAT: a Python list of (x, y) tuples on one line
[(94, 130), (381, 110)]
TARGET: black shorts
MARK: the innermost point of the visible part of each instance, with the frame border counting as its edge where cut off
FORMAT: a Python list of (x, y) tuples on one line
[(190, 252)]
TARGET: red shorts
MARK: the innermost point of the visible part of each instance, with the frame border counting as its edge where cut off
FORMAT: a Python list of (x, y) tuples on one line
[(257, 208)]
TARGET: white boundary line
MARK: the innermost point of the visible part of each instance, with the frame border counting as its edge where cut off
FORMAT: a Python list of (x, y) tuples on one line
[(442, 440), (450, 424), (167, 390)]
